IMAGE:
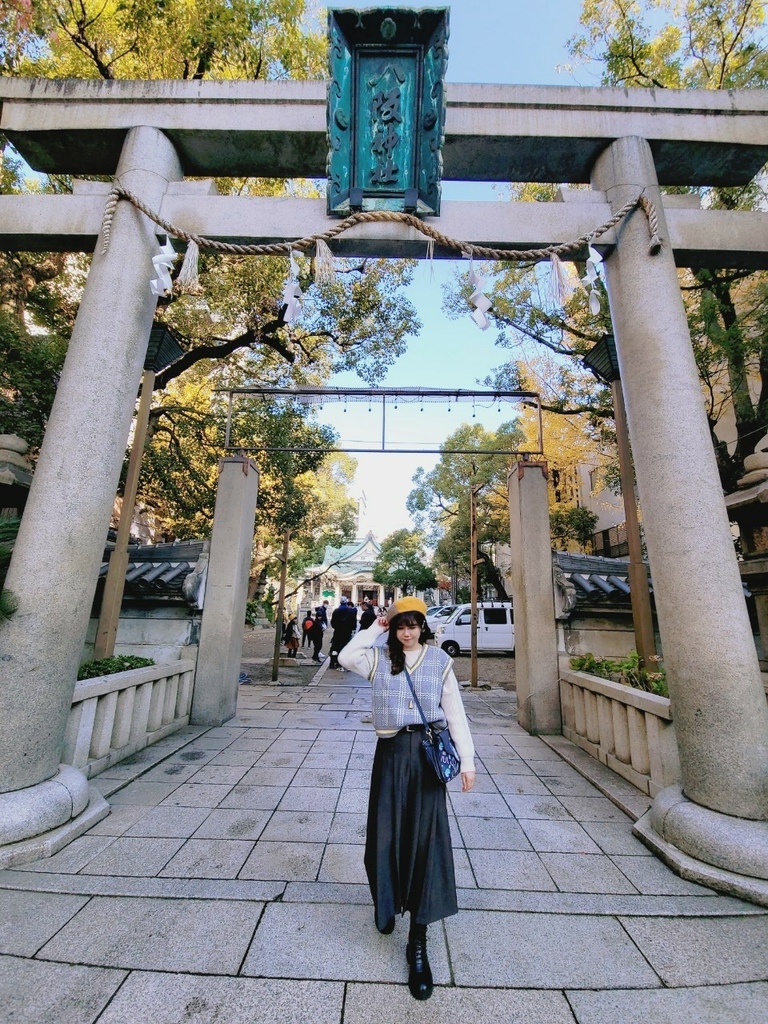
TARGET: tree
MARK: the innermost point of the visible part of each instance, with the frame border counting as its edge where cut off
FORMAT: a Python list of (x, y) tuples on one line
[(187, 39), (235, 332), (720, 44), (440, 500), (572, 525), (401, 562)]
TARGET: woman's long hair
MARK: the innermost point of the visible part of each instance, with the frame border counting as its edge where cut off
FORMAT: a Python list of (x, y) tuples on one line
[(396, 651)]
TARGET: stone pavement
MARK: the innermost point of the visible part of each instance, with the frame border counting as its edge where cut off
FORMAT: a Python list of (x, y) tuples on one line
[(227, 886)]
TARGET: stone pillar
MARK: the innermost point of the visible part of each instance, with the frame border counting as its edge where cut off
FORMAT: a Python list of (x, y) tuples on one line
[(720, 713), (226, 592), (536, 667), (61, 542)]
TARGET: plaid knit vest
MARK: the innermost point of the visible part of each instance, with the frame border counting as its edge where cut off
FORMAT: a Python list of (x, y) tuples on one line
[(393, 703)]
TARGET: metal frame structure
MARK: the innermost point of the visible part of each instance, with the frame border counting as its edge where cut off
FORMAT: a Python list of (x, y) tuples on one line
[(322, 396)]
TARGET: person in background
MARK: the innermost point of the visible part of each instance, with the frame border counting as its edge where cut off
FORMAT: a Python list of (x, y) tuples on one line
[(408, 854), (367, 615), (306, 624), (344, 623), (316, 637), (291, 636), (322, 609)]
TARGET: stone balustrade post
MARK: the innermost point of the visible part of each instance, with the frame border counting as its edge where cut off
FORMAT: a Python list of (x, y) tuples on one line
[(536, 667), (719, 706), (226, 593), (60, 546)]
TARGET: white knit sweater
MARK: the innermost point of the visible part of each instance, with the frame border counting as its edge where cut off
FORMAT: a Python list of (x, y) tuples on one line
[(358, 657)]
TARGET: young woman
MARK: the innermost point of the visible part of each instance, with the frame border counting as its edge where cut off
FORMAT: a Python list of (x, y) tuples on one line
[(408, 854)]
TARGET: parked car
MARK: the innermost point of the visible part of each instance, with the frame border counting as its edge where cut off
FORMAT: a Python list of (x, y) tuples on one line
[(495, 628), (438, 614)]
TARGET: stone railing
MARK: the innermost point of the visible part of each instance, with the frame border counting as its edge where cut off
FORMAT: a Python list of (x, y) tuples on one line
[(114, 716), (628, 730)]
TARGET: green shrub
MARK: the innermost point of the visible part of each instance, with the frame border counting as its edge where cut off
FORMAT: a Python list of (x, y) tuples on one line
[(108, 666), (626, 670), (253, 611), (596, 665)]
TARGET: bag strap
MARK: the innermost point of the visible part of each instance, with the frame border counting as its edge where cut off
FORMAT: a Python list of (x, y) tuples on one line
[(418, 703)]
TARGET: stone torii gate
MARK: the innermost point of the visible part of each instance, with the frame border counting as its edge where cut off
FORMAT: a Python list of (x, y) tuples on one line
[(150, 135)]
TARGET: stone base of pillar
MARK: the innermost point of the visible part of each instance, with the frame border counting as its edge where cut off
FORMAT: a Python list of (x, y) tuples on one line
[(40, 820), (726, 853)]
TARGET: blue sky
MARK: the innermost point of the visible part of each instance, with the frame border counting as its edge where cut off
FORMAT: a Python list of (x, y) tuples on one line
[(491, 41)]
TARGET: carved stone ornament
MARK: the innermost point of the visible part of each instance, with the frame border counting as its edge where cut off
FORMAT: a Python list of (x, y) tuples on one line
[(386, 109)]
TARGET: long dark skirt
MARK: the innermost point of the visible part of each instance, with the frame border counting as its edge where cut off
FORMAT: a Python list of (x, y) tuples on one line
[(408, 855)]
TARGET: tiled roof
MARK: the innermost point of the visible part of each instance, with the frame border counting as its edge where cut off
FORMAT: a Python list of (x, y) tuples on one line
[(159, 571), (601, 580)]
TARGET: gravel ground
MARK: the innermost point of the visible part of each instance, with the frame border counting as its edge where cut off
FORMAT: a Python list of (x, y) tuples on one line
[(258, 646)]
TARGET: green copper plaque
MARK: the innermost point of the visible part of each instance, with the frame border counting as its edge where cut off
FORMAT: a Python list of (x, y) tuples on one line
[(386, 109)]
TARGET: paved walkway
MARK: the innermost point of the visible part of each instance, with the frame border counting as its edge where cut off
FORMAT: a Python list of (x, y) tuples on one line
[(227, 886)]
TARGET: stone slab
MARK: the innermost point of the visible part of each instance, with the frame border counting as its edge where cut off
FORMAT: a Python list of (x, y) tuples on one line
[(290, 862), (253, 797), (197, 796), (170, 998), (197, 936), (133, 857), (615, 837), (599, 904), (327, 892), (334, 942), (586, 872), (73, 858), (298, 826), (721, 1004), (33, 992), (343, 862), (492, 834), (29, 919), (165, 888), (366, 1003), (540, 951), (169, 822), (308, 798), (651, 876), (348, 827), (696, 951), (497, 869), (208, 858), (558, 837), (537, 807), (233, 823), (485, 805)]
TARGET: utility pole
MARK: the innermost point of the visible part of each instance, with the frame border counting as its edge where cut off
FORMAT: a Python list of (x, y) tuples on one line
[(473, 564), (280, 605)]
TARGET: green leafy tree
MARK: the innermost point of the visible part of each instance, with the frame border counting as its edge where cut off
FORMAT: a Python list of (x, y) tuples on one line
[(235, 332), (572, 525), (401, 562), (440, 501), (680, 44)]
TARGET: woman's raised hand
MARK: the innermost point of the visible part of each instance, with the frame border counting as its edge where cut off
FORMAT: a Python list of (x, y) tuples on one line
[(383, 621)]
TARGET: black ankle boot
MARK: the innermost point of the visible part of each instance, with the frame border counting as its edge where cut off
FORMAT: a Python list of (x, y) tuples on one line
[(420, 975)]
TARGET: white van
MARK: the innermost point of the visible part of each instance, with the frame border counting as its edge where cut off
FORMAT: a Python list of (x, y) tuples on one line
[(495, 628)]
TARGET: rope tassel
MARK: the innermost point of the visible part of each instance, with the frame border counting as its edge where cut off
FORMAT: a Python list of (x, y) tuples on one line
[(558, 282), (324, 269), (188, 281)]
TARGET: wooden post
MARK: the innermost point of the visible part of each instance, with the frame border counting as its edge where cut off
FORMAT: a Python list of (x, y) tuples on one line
[(106, 631), (642, 616), (473, 585), (280, 605)]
